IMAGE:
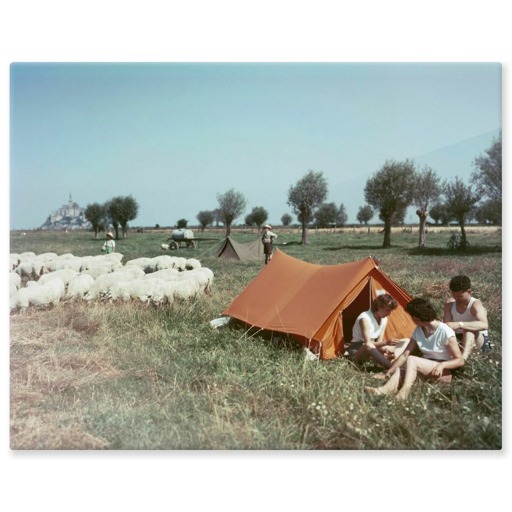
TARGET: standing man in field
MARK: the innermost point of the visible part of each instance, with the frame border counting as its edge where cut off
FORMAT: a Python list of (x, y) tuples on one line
[(268, 238), (467, 316)]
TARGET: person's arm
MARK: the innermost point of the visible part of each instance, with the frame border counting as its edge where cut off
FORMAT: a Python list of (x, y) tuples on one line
[(447, 312), (399, 361), (479, 324), (456, 362), (370, 345)]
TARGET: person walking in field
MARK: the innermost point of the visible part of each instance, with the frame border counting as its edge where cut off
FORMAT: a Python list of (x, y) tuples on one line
[(368, 334), (467, 316), (110, 244), (438, 344), (268, 238)]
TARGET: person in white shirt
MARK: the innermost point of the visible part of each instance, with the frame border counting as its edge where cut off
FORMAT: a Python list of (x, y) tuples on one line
[(368, 334), (267, 239), (109, 245), (439, 347), (467, 316)]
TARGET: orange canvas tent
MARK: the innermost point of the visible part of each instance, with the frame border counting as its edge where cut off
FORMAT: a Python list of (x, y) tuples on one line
[(318, 304)]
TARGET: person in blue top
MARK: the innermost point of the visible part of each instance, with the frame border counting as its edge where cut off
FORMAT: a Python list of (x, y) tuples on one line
[(439, 348)]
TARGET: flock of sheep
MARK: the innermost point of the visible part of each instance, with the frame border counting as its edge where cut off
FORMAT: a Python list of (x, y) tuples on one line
[(46, 279)]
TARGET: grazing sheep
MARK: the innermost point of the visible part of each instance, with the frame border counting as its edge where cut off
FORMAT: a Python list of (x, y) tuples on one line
[(30, 268), (143, 263), (103, 282), (49, 293), (192, 263), (66, 274), (79, 286), (61, 263), (14, 283), (164, 247), (14, 261)]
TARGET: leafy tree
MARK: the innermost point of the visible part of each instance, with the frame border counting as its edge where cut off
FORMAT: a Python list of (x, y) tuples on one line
[(258, 216), (231, 205), (286, 219), (341, 215), (217, 216), (249, 220), (205, 218), (390, 191), (439, 213), (304, 198), (182, 223), (121, 210), (365, 214), (489, 212), (325, 215), (96, 214), (460, 202), (488, 174), (426, 192)]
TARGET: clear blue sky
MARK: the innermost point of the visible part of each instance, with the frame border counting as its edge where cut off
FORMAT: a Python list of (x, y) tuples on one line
[(176, 135)]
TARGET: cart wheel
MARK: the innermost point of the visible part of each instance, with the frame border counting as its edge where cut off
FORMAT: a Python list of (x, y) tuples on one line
[(174, 245)]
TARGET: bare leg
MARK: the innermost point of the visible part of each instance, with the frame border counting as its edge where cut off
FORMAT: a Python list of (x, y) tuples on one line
[(390, 387), (468, 342), (414, 365)]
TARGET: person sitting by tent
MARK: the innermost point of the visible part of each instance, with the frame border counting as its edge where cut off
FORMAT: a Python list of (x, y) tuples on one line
[(438, 344), (467, 316), (267, 238), (368, 341)]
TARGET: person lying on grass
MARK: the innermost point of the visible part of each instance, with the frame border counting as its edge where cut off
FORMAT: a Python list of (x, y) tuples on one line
[(437, 343), (368, 334)]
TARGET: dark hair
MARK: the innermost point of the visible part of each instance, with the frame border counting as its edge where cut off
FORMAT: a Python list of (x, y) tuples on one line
[(460, 283), (422, 309), (383, 301)]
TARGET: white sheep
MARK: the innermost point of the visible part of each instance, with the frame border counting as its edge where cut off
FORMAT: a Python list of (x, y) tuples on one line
[(164, 247), (165, 274), (14, 261), (104, 281), (30, 268), (79, 286), (101, 264), (192, 263), (143, 263), (61, 263), (49, 293), (66, 274), (14, 283)]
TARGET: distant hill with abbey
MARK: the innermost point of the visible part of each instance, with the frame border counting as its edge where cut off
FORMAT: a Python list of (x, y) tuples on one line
[(69, 216)]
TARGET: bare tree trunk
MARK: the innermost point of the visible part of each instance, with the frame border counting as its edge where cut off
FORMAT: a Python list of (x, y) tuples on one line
[(422, 214), (305, 234), (387, 233)]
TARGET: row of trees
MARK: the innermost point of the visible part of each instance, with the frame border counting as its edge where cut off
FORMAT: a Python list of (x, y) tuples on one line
[(391, 191), (115, 212)]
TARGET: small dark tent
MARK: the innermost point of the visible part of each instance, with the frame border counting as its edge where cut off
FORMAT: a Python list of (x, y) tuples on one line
[(318, 304), (231, 249)]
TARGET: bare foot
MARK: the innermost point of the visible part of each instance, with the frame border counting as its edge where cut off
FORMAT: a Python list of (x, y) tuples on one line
[(374, 391)]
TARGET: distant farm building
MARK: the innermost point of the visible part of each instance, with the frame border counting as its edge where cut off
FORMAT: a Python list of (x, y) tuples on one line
[(68, 216)]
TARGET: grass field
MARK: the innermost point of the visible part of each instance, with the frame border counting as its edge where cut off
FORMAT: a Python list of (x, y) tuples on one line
[(126, 376)]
